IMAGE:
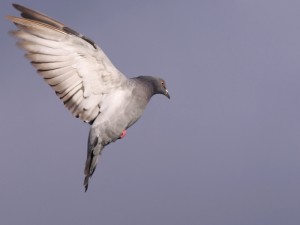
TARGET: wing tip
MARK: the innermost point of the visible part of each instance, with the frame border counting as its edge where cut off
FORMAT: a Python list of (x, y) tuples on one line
[(17, 6), (11, 18)]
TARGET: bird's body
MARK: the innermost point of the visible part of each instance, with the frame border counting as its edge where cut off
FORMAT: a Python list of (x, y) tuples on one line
[(85, 80), (106, 129)]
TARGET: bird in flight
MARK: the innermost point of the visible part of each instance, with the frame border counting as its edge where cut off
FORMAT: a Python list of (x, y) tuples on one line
[(85, 80)]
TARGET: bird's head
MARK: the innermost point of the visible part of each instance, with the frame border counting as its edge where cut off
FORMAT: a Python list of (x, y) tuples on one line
[(154, 85), (160, 87)]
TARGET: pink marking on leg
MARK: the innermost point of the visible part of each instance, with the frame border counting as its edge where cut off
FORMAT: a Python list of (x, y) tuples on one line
[(123, 134)]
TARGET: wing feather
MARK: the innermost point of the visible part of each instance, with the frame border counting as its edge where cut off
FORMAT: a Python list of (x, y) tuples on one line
[(58, 79), (73, 65), (48, 58), (55, 72)]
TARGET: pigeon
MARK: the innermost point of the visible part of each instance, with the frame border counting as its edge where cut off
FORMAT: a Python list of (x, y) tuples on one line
[(85, 80)]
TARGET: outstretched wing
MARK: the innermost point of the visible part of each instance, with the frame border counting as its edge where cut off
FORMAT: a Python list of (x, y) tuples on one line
[(72, 64)]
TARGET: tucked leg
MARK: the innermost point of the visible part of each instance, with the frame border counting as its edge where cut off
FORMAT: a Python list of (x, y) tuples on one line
[(123, 134)]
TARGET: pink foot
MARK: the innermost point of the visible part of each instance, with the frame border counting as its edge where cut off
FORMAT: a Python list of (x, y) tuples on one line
[(123, 134)]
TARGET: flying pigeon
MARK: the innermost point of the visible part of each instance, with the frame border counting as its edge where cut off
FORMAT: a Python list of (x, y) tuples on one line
[(84, 78)]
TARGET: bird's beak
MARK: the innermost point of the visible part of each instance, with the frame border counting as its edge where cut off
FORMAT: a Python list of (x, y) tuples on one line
[(167, 94)]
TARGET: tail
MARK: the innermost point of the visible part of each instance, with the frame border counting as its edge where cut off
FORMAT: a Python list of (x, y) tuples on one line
[(93, 152)]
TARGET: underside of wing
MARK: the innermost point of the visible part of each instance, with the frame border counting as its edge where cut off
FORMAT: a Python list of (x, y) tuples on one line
[(72, 64)]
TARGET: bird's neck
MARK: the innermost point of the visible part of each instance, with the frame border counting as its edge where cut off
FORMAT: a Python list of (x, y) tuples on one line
[(146, 86)]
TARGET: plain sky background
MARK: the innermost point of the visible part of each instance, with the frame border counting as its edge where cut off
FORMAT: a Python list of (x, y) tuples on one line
[(225, 150)]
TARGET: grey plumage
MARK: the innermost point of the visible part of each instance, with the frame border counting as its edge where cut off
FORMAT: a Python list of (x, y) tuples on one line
[(83, 77)]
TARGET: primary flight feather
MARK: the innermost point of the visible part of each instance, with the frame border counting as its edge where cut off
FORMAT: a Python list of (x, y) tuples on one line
[(84, 78)]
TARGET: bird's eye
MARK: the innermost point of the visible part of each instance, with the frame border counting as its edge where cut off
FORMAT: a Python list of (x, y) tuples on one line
[(162, 83)]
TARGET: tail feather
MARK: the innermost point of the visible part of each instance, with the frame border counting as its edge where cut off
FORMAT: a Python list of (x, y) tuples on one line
[(94, 151)]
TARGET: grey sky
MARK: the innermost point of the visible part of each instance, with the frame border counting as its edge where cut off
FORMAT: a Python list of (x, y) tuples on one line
[(224, 151)]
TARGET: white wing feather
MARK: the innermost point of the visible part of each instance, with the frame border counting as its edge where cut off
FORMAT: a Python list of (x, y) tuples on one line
[(78, 70)]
